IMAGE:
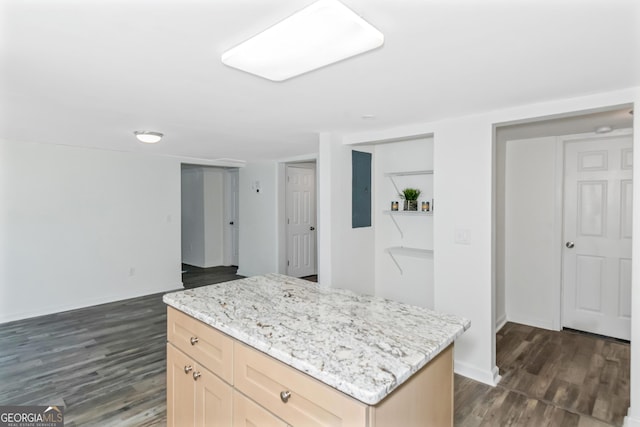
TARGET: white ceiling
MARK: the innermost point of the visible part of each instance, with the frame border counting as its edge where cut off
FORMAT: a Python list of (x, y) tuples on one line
[(90, 72)]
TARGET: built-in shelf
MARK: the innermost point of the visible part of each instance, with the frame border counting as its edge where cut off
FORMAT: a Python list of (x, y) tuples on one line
[(407, 173), (407, 251), (403, 250), (417, 213)]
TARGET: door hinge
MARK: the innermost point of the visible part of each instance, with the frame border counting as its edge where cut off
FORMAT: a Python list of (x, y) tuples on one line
[(288, 220), (287, 263)]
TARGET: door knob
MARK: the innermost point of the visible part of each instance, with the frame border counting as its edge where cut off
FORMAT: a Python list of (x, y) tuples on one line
[(570, 245), (312, 228), (231, 223)]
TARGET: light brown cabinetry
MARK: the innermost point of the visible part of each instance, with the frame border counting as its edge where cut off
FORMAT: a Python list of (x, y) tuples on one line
[(295, 397), (225, 382), (247, 413), (195, 396), (202, 342)]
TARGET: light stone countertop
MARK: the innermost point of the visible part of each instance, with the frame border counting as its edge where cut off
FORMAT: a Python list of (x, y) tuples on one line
[(364, 346)]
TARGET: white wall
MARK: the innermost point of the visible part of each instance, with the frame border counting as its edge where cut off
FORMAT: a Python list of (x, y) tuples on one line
[(464, 281), (192, 190), (346, 254), (203, 216), (82, 226), (415, 284), (258, 219), (531, 227), (500, 153), (463, 272), (214, 203)]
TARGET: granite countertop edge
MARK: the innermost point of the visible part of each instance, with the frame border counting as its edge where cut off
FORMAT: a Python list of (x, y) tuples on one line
[(370, 397)]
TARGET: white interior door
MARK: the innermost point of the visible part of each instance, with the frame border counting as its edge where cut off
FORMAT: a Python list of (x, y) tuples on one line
[(232, 226), (301, 220), (597, 235)]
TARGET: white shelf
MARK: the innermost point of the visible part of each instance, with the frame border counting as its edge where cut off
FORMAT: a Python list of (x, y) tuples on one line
[(417, 213), (406, 251), (403, 250), (408, 173)]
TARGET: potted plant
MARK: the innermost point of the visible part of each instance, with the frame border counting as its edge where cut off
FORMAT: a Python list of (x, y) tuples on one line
[(410, 196)]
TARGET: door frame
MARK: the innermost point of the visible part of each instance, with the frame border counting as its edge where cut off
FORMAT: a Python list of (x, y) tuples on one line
[(282, 210), (558, 320)]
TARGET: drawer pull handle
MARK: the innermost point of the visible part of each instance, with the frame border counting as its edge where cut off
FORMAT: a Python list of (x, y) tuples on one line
[(196, 375), (194, 340), (187, 369), (285, 395)]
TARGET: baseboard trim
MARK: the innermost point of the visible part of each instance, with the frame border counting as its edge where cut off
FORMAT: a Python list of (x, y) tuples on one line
[(529, 321), (502, 320), (631, 420), (89, 302), (491, 377)]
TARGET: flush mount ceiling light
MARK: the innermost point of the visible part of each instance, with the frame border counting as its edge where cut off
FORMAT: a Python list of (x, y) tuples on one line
[(604, 129), (148, 136), (323, 33)]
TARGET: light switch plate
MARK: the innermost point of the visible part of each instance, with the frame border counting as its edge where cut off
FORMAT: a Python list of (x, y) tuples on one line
[(462, 236)]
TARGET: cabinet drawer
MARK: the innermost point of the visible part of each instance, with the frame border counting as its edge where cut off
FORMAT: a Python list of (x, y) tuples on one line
[(311, 403), (247, 413), (211, 348)]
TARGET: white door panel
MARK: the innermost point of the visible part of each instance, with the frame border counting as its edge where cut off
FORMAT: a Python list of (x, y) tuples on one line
[(301, 219), (597, 220), (231, 217)]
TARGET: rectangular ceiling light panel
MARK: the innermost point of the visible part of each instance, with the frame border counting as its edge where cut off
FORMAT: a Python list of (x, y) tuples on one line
[(323, 33)]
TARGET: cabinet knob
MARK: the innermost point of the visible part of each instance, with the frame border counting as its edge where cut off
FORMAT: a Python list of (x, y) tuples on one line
[(196, 375), (194, 340), (187, 369), (285, 395)]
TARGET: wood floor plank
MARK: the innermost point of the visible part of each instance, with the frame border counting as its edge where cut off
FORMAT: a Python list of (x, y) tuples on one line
[(568, 379), (106, 366)]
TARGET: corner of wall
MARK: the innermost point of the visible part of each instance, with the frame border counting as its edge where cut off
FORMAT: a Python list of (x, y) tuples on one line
[(632, 419), (491, 377)]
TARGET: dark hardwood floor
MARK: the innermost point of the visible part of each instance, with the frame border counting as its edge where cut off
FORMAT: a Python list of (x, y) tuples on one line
[(550, 378), (193, 277), (106, 365)]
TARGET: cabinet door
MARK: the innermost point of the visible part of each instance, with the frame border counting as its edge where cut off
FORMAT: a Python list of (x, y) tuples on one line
[(180, 388), (247, 413), (213, 400)]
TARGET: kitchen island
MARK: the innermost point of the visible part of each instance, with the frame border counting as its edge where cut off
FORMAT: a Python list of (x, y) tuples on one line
[(275, 350)]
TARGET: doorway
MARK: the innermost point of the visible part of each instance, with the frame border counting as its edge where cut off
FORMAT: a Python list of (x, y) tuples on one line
[(530, 219), (300, 212), (209, 217)]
